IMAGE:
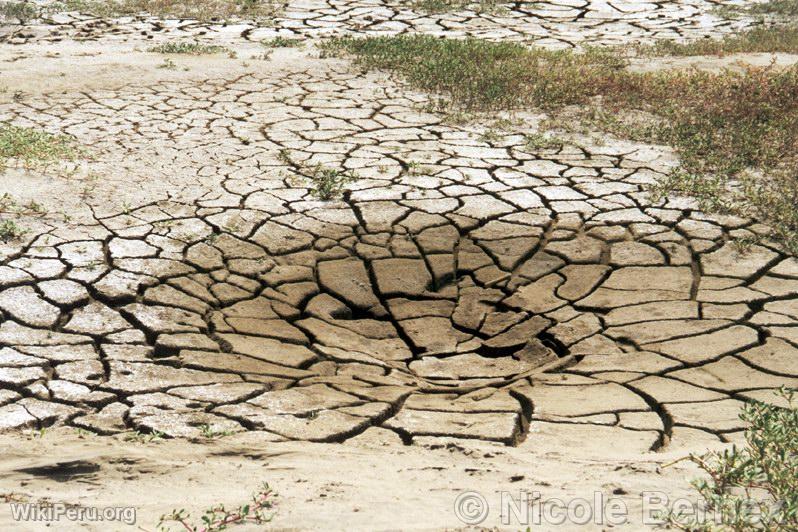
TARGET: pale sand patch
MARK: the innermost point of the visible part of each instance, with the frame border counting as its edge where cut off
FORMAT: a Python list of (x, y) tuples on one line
[(326, 486)]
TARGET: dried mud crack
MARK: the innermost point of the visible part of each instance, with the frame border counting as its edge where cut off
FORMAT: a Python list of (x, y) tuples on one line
[(548, 23), (464, 285)]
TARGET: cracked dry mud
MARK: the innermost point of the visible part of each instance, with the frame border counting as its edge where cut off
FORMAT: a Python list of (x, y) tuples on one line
[(548, 23), (464, 286)]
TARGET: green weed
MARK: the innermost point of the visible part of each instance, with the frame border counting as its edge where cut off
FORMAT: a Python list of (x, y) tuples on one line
[(144, 437), (202, 10), (770, 39), (209, 432), (22, 12), (753, 487), (33, 147), (329, 183), (219, 518), (282, 42), (446, 6), (190, 48)]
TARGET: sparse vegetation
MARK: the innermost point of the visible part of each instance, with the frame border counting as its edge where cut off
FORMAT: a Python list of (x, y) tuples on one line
[(329, 183), (754, 487), (482, 75), (218, 517), (771, 39), (22, 12), (788, 8), (168, 64), (210, 433), (33, 147), (414, 167), (190, 48), (9, 205), (10, 230), (144, 437), (444, 6), (202, 10), (282, 42), (539, 141), (777, 8), (736, 131), (736, 134), (325, 183)]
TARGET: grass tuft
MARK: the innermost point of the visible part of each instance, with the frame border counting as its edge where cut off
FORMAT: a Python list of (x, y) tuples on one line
[(447, 6), (774, 39), (189, 48), (282, 42)]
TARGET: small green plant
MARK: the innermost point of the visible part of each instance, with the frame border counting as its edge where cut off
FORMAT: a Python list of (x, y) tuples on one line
[(9, 230), (190, 48), (539, 141), (415, 168), (710, 191), (489, 136), (754, 487), (168, 64), (8, 203), (209, 432), (218, 517), (35, 207), (20, 11), (329, 183), (282, 42), (144, 437), (284, 155), (34, 147)]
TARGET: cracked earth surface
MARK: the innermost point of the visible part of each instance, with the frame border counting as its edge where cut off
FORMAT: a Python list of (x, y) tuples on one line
[(465, 286), (561, 23)]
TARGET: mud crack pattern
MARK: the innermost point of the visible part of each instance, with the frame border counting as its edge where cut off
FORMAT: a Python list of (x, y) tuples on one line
[(548, 23), (465, 285)]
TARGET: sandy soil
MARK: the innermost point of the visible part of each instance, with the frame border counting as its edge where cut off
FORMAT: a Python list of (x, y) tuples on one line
[(326, 486)]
